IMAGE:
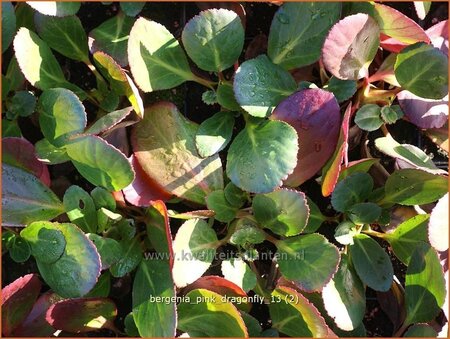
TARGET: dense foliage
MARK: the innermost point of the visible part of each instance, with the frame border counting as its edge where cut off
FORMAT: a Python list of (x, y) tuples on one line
[(274, 209)]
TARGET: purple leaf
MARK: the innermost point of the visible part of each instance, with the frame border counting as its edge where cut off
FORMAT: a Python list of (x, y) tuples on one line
[(424, 113), (314, 113)]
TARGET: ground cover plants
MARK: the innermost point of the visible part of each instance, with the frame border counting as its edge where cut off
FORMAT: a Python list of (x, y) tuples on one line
[(224, 169)]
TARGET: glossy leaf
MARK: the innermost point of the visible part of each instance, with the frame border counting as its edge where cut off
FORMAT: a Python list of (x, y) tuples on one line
[(154, 319), (259, 86), (75, 273), (111, 37), (308, 260), (23, 104), (132, 8), (293, 315), (205, 311), (422, 70), (246, 232), (170, 158), (19, 250), (414, 187), (156, 59), (262, 155), (26, 199), (61, 115), (80, 208), (225, 96), (130, 259), (420, 330), (371, 263), (342, 89), (17, 301), (362, 165), (344, 297), (214, 134), (194, 249), (390, 114), (47, 243), (8, 24), (109, 249), (103, 198), (438, 226), (410, 154), (285, 212), (217, 202), (237, 271), (351, 46), (49, 154), (424, 285), (298, 31), (234, 195), (102, 287), (214, 39), (352, 190), (314, 113), (55, 8), (65, 35), (424, 113), (407, 236), (368, 117), (82, 315), (108, 121), (19, 152), (364, 213), (345, 232), (100, 163), (316, 218)]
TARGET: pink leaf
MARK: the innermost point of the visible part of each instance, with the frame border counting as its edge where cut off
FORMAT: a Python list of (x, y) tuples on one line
[(439, 36)]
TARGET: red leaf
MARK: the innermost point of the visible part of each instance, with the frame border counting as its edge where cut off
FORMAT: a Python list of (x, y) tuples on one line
[(17, 301), (314, 113), (20, 153)]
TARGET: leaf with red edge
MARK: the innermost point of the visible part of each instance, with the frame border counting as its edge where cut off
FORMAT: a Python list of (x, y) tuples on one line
[(314, 113), (361, 165), (20, 153), (438, 35), (82, 315), (109, 121), (351, 46), (223, 287), (35, 325), (199, 214), (438, 226), (332, 169), (158, 229), (424, 113), (17, 301), (391, 44), (164, 145), (143, 190)]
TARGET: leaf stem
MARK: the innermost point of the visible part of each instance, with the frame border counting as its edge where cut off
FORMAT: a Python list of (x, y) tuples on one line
[(375, 234), (401, 330), (205, 82)]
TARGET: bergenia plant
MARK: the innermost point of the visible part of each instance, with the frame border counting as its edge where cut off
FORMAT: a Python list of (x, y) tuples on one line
[(236, 170)]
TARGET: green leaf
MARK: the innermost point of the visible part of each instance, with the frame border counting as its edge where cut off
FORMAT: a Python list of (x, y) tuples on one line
[(80, 209), (19, 249), (132, 8), (204, 311), (364, 213), (361, 165), (368, 117), (234, 195), (408, 235), (49, 154), (344, 297), (420, 330), (158, 229), (262, 155), (225, 96), (345, 232), (284, 211), (253, 327), (424, 285), (194, 249), (75, 273), (214, 134), (111, 37), (102, 287), (55, 8), (342, 89), (23, 104), (108, 121), (214, 39), (247, 232), (153, 318), (308, 260), (164, 145), (414, 187), (26, 199), (103, 198), (209, 97), (422, 70), (109, 249), (130, 259), (100, 163), (316, 218), (157, 60), (410, 154), (293, 315), (130, 326), (390, 114), (61, 115), (216, 201), (47, 243), (237, 271), (352, 190), (10, 129), (259, 86), (65, 35), (298, 32), (8, 24), (371, 263)]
